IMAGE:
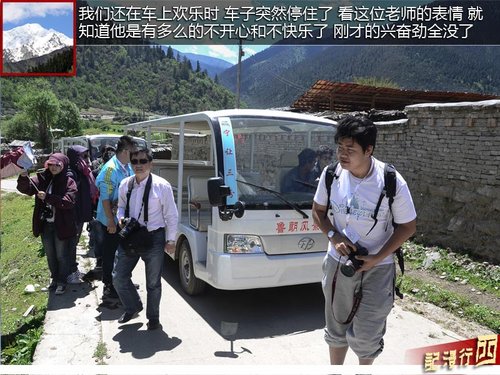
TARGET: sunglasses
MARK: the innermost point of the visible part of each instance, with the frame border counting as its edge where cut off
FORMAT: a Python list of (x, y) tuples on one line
[(137, 161)]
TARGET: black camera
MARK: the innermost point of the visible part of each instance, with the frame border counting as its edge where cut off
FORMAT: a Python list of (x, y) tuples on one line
[(46, 213), (352, 264), (130, 225)]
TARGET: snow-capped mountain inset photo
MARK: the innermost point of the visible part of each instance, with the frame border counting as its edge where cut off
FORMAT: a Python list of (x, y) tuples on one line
[(38, 38)]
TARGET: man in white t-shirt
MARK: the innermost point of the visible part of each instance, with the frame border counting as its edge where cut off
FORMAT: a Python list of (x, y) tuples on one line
[(353, 319)]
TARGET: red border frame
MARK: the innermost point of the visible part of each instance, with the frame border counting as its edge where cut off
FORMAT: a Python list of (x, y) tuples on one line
[(16, 74)]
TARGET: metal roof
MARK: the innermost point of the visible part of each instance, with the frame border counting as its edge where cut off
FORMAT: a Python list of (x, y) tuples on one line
[(347, 97)]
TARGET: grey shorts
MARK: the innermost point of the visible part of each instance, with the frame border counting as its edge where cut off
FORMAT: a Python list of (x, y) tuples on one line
[(364, 334)]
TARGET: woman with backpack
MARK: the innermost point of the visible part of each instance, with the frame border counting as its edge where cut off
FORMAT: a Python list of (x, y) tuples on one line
[(86, 198)]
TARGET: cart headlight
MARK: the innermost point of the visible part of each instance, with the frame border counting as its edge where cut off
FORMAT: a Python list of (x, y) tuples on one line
[(243, 244)]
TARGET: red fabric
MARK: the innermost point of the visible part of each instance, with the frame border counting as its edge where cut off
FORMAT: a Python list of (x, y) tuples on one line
[(11, 157)]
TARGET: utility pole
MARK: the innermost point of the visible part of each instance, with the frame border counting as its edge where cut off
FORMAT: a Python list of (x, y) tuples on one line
[(238, 73)]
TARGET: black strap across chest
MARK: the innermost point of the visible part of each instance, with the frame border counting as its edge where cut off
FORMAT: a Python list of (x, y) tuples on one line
[(145, 197)]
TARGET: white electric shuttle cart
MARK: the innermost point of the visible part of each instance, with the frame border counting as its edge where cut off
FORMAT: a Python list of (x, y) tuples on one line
[(237, 230)]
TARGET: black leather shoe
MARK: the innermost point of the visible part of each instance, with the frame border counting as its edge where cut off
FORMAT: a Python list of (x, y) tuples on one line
[(153, 324), (127, 316)]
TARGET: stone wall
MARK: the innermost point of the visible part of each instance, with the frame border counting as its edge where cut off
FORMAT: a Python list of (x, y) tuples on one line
[(450, 156)]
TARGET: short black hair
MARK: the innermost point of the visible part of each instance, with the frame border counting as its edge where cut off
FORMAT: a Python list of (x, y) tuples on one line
[(324, 150), (142, 150), (306, 155), (124, 142), (359, 128)]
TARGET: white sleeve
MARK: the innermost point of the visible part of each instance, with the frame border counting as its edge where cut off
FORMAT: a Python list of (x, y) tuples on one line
[(169, 210), (403, 208), (122, 198), (321, 196)]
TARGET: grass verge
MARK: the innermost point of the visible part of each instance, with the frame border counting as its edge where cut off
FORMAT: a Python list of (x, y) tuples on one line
[(457, 304), (101, 351), (22, 262), (453, 268)]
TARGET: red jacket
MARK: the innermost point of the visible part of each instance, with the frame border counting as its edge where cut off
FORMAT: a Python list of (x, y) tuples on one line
[(62, 198)]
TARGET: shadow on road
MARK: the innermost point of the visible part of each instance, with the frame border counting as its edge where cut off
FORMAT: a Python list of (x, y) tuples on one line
[(259, 312), (69, 299), (144, 344)]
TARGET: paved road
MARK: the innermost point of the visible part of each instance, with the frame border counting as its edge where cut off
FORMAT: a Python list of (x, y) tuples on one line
[(277, 326), (8, 185)]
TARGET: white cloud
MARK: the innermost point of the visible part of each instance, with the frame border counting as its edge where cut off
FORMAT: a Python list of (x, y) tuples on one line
[(249, 51), (223, 52), (186, 48), (17, 12)]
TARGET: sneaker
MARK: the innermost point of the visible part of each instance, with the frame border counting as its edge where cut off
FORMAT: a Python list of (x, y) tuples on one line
[(153, 324), (74, 278), (60, 289), (109, 292)]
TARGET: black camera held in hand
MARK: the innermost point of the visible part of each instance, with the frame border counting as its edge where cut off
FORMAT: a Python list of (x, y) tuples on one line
[(134, 237), (46, 212), (352, 264), (130, 225)]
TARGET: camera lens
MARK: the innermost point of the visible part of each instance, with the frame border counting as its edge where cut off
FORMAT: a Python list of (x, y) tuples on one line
[(347, 269)]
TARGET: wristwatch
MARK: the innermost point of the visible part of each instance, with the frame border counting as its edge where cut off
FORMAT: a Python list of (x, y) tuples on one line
[(330, 234)]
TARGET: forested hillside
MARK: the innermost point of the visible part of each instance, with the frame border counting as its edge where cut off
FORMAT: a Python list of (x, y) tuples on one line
[(279, 75), (60, 61), (131, 78)]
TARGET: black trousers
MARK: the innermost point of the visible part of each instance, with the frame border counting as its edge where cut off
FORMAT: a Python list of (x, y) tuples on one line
[(107, 244)]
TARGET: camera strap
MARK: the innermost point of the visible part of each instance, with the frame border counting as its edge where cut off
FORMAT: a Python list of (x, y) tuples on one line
[(358, 295), (145, 198)]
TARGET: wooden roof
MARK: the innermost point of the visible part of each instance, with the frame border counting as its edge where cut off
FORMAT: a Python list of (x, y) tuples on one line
[(346, 97)]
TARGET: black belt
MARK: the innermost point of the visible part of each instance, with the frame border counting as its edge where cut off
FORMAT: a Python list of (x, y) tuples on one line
[(157, 230)]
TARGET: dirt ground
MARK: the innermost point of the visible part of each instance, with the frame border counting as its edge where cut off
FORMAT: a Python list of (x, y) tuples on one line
[(444, 318)]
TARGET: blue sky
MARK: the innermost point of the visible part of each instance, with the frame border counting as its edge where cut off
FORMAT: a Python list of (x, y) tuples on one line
[(57, 16), (224, 52)]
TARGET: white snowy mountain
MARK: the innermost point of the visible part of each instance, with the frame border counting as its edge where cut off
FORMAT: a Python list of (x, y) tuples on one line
[(32, 40)]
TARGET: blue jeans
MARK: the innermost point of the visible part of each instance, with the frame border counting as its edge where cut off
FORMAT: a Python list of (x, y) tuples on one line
[(57, 252), (122, 276)]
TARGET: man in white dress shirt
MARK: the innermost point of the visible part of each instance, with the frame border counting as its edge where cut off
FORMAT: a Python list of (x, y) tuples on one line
[(161, 227)]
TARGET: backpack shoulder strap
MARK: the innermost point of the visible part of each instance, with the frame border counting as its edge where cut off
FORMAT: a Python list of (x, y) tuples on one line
[(390, 191), (390, 182), (329, 177)]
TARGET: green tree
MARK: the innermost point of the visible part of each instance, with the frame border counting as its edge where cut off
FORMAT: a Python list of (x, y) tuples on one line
[(69, 118), (170, 53), (22, 127), (43, 108)]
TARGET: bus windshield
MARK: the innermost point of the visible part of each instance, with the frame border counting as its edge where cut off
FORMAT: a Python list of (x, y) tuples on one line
[(279, 156)]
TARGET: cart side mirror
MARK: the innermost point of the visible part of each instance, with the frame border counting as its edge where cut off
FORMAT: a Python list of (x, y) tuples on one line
[(217, 191)]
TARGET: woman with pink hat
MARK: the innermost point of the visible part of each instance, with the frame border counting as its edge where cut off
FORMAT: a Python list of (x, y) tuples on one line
[(53, 215)]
